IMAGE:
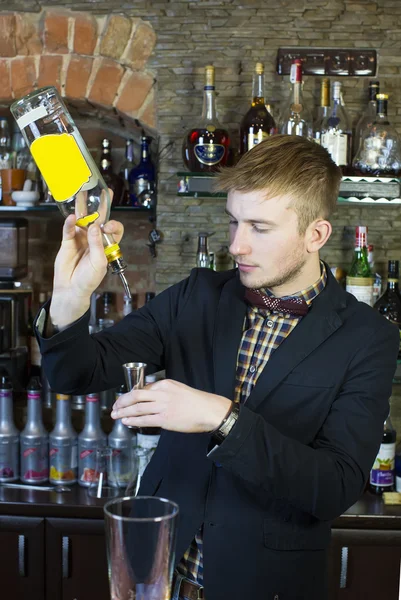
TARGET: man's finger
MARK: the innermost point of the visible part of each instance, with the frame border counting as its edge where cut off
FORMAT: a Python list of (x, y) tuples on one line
[(146, 421), (96, 248), (136, 410), (69, 228), (116, 228), (134, 397)]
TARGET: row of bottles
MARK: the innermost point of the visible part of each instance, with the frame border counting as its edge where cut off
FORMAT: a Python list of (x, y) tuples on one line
[(135, 184), (62, 456), (372, 150)]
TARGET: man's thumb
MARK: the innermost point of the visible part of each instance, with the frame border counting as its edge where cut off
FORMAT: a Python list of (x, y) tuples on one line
[(95, 243)]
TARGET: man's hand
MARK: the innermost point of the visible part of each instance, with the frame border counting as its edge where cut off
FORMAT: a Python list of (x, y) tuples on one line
[(171, 405)]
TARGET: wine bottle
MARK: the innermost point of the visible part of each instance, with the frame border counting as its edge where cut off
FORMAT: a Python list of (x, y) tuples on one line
[(257, 124), (389, 305), (296, 118), (205, 147), (125, 170), (106, 169), (142, 177), (382, 474), (360, 278)]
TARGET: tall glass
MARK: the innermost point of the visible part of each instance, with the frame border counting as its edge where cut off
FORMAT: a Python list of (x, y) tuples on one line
[(140, 536), (66, 165)]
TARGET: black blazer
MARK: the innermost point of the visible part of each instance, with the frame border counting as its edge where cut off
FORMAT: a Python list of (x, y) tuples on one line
[(304, 443)]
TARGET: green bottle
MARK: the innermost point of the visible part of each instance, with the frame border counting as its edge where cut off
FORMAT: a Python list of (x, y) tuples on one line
[(360, 278)]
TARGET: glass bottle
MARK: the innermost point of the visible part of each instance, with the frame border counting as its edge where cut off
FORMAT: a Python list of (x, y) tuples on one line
[(107, 316), (126, 169), (389, 305), (202, 254), (398, 467), (67, 166), (106, 170), (9, 434), (142, 177), (121, 441), (377, 284), (360, 279), (206, 146), (34, 458), (336, 132), (5, 144), (90, 438), (257, 124), (323, 109), (382, 474), (148, 437), (296, 118), (368, 116), (127, 306), (379, 153), (63, 445)]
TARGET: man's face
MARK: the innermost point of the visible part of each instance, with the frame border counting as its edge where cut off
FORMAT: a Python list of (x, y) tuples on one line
[(264, 239)]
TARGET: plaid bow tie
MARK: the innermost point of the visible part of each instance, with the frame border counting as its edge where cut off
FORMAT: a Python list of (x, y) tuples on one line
[(293, 306)]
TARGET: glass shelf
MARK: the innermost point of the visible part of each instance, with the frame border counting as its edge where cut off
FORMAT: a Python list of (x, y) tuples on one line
[(353, 190), (52, 207)]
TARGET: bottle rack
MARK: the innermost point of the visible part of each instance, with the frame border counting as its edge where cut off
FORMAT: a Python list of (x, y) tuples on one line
[(357, 190)]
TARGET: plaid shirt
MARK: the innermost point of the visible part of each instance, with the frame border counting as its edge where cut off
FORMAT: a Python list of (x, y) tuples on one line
[(263, 332)]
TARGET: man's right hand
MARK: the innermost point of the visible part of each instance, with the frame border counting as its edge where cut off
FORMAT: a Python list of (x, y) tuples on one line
[(79, 269)]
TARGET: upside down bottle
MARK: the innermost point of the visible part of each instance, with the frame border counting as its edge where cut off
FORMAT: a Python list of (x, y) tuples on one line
[(67, 166)]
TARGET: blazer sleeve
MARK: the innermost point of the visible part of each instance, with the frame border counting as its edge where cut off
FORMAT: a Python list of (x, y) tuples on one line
[(76, 362), (327, 477)]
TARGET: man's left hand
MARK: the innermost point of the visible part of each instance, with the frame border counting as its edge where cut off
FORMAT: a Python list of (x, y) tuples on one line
[(171, 405)]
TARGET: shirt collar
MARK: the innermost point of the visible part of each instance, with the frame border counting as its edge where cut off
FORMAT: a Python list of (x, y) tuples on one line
[(309, 293)]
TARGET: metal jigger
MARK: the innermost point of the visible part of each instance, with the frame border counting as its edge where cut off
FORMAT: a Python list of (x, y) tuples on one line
[(134, 374)]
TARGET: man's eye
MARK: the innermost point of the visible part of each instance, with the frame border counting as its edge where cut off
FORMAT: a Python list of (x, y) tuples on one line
[(231, 222), (259, 230)]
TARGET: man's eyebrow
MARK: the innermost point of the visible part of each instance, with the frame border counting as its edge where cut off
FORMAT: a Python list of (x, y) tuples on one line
[(257, 220)]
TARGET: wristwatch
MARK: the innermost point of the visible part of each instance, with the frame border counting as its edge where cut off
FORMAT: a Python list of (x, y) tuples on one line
[(227, 424)]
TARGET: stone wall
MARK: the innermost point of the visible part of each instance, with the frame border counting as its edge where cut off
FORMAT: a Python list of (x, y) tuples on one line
[(233, 35)]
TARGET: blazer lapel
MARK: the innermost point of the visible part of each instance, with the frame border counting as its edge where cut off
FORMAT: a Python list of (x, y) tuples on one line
[(227, 338), (321, 322)]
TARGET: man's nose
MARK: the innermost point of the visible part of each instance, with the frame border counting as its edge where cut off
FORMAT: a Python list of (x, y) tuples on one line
[(240, 245)]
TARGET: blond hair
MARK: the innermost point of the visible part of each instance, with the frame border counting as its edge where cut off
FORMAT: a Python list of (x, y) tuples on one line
[(288, 165)]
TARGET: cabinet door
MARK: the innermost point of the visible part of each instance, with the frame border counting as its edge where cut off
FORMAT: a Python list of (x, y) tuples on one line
[(22, 573), (76, 560), (365, 564)]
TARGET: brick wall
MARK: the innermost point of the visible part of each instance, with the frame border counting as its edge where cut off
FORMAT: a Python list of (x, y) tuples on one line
[(233, 35)]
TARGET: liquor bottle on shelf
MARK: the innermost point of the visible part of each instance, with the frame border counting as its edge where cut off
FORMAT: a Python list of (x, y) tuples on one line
[(126, 169), (360, 278), (5, 144), (296, 118), (121, 440), (9, 434), (379, 152), (34, 465), (149, 296), (382, 474), (127, 305), (336, 132), (63, 445), (258, 123), (142, 178), (107, 316), (377, 284), (368, 116), (206, 146), (323, 109), (202, 254), (398, 467), (389, 305), (90, 438), (106, 169), (34, 355)]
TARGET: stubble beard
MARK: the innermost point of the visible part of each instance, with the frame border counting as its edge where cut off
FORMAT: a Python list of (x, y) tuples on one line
[(289, 274)]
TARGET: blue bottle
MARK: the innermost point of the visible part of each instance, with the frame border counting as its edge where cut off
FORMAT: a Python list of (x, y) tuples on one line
[(142, 178)]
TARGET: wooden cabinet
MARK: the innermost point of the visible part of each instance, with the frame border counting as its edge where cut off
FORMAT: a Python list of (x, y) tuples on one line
[(53, 559), (365, 564), (76, 549), (22, 558)]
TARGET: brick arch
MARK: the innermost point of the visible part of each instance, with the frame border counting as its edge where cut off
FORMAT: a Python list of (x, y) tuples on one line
[(93, 60)]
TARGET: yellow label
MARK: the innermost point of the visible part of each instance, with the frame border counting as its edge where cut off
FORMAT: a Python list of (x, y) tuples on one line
[(61, 163)]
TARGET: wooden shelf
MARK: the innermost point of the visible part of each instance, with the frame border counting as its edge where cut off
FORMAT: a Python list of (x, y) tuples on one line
[(54, 208)]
